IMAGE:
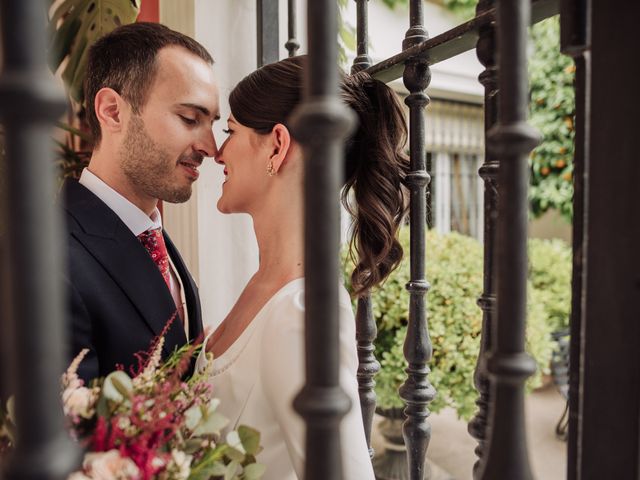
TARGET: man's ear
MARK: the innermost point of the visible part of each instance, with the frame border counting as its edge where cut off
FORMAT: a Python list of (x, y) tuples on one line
[(280, 145), (107, 105)]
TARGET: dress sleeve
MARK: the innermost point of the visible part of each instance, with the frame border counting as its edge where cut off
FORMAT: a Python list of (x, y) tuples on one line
[(282, 374)]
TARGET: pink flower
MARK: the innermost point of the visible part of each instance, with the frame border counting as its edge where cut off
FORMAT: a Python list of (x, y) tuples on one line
[(79, 402), (109, 466)]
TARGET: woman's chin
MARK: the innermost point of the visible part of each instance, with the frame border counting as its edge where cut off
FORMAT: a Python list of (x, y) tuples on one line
[(223, 207)]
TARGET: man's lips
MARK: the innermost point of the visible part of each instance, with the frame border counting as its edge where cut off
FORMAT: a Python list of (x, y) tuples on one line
[(191, 168)]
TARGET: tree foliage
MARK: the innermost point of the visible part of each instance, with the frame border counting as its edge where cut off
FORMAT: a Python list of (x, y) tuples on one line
[(552, 110)]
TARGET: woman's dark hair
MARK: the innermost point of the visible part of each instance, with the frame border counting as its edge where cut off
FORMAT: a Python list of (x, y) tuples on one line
[(375, 162)]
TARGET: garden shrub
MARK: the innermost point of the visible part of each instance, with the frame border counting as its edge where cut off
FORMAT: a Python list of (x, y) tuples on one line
[(454, 270)]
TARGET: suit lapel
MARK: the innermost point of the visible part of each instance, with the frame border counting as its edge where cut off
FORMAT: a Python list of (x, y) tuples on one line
[(122, 255)]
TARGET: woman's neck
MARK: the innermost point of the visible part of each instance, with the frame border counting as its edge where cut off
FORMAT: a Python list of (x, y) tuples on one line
[(279, 233)]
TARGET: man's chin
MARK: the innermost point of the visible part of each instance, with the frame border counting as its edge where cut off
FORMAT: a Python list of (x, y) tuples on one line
[(177, 196)]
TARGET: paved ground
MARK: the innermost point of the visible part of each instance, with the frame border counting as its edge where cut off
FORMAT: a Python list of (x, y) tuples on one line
[(451, 449)]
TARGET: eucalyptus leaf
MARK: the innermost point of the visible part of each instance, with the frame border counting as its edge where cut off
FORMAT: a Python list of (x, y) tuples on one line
[(234, 454), (232, 470), (212, 422), (214, 469), (253, 471), (250, 439)]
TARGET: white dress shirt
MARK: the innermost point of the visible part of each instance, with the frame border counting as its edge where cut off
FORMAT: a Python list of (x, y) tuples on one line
[(138, 222)]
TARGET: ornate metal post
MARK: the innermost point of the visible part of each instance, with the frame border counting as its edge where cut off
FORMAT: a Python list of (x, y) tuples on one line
[(511, 140), (292, 44), (368, 366), (363, 60), (267, 31), (366, 330), (321, 124), (416, 391), (489, 172), (574, 28), (29, 105)]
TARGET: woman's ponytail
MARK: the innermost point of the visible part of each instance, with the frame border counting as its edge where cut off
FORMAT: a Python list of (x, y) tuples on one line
[(376, 167)]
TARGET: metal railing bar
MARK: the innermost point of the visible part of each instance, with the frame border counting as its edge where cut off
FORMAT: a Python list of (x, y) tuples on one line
[(453, 42)]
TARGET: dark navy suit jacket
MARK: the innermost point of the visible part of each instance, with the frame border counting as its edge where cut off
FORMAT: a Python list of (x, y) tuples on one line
[(118, 300)]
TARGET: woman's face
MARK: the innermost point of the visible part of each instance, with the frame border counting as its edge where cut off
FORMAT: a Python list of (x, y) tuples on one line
[(244, 156)]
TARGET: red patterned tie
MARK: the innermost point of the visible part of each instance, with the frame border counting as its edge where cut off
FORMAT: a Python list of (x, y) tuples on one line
[(153, 241)]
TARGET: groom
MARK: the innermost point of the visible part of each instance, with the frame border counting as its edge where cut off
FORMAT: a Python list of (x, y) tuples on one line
[(151, 101)]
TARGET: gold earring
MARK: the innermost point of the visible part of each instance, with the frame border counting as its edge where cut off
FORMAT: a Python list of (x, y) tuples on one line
[(270, 170)]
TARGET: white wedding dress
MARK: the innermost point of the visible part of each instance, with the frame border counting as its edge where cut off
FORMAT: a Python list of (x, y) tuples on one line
[(258, 377)]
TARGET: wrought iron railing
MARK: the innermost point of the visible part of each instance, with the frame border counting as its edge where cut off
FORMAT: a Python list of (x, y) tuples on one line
[(604, 367), (33, 317)]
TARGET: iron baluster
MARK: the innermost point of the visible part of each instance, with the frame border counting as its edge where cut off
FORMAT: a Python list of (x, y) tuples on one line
[(489, 173), (511, 140), (292, 44), (366, 330), (321, 124), (368, 366), (363, 60), (574, 41), (29, 105), (416, 391), (268, 30)]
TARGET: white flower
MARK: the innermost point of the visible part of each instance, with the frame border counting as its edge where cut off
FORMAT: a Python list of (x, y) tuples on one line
[(181, 464), (109, 466), (78, 401)]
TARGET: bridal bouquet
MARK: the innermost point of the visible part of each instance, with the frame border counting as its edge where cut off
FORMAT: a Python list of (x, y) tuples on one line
[(151, 425)]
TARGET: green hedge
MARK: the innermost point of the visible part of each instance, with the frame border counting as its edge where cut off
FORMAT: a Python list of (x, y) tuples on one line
[(454, 269)]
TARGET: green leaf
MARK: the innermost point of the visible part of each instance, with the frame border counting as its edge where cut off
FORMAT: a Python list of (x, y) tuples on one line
[(250, 439), (74, 131), (77, 25), (232, 470), (212, 422), (254, 471)]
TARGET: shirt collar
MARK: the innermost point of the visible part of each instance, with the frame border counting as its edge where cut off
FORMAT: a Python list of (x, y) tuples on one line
[(135, 219)]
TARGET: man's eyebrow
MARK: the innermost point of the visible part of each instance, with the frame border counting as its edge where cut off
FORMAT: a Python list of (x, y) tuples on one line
[(200, 108)]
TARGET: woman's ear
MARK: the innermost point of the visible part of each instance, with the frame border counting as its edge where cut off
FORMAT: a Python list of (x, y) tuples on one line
[(107, 105), (280, 144)]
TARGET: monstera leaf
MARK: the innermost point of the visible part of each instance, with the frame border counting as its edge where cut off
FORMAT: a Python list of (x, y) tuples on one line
[(75, 25)]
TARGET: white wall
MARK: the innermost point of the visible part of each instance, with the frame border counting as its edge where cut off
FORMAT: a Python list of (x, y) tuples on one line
[(227, 251), (455, 79)]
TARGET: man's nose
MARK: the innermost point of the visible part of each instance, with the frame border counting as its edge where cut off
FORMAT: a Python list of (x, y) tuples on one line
[(207, 144)]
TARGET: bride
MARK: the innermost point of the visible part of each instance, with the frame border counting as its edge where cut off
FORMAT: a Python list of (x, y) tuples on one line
[(259, 347)]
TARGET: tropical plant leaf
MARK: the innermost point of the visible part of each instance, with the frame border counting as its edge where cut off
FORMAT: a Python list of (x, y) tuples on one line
[(75, 25), (74, 131)]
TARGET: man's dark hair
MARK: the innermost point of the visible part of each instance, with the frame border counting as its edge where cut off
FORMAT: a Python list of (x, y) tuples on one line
[(125, 60)]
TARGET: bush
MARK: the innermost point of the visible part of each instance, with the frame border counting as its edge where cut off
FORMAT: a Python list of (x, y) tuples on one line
[(454, 269), (550, 275)]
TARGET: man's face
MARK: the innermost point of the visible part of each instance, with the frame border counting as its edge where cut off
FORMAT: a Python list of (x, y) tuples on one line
[(165, 144)]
